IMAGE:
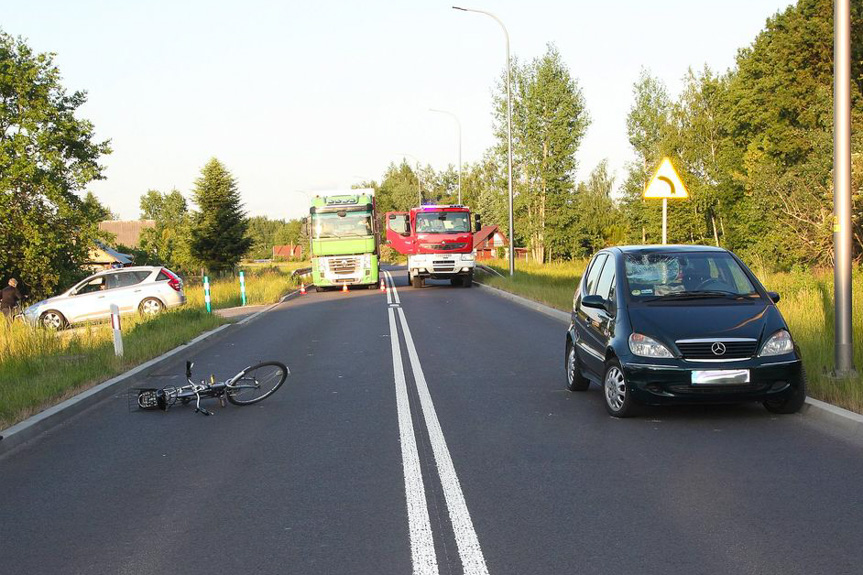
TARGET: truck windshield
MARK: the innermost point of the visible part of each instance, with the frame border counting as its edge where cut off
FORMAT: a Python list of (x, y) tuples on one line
[(347, 225), (443, 222)]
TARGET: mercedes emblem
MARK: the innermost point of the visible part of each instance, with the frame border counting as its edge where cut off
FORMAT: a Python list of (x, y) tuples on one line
[(718, 348)]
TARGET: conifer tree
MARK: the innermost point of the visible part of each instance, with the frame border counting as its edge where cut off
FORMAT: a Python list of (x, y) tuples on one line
[(219, 231)]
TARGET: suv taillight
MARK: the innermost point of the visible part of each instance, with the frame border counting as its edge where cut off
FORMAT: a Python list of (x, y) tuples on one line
[(173, 281)]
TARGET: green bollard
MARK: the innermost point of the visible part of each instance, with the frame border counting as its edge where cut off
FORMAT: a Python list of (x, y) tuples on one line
[(207, 292)]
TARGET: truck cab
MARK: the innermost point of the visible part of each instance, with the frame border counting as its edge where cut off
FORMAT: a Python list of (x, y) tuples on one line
[(438, 241), (344, 244)]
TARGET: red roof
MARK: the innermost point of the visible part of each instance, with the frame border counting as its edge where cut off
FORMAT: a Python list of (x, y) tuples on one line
[(485, 233)]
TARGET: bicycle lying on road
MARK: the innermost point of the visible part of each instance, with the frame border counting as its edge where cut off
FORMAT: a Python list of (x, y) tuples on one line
[(253, 384)]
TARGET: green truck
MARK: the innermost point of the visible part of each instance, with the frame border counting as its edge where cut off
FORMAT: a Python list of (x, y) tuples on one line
[(344, 242)]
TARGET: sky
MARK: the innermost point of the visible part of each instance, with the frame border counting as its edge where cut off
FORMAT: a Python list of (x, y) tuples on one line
[(300, 97)]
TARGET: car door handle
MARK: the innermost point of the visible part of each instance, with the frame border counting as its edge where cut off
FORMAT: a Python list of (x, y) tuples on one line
[(101, 297), (137, 291)]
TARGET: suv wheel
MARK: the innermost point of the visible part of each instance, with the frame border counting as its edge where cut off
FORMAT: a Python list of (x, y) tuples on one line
[(151, 306), (53, 320)]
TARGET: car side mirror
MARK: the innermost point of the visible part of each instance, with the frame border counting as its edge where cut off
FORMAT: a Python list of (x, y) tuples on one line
[(774, 296), (477, 223), (595, 302)]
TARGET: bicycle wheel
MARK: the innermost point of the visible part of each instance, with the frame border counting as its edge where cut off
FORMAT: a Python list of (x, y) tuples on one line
[(257, 383)]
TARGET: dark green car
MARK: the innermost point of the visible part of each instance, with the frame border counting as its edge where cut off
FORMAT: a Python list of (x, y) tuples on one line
[(658, 325)]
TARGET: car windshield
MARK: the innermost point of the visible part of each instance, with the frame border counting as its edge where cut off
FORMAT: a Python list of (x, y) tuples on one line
[(680, 276), (342, 224), (443, 222)]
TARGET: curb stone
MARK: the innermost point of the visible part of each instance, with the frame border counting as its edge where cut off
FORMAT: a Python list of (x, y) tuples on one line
[(33, 426), (846, 422)]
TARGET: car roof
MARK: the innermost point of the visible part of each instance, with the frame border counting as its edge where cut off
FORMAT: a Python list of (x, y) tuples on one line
[(667, 249), (128, 269)]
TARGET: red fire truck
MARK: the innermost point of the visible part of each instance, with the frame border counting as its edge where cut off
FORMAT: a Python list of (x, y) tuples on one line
[(438, 241)]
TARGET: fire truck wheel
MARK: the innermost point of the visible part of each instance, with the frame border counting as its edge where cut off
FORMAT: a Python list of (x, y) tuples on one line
[(417, 282)]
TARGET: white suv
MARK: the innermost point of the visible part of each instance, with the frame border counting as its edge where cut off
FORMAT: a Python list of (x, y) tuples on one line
[(145, 289)]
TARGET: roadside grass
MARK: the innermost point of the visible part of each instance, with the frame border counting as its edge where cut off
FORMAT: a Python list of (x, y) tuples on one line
[(551, 284), (806, 304), (264, 285), (40, 368)]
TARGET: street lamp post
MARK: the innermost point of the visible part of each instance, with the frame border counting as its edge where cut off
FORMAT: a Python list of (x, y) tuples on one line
[(844, 351), (508, 131), (458, 123)]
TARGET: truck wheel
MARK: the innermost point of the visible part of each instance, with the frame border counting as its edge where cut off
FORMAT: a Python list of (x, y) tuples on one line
[(455, 281), (467, 281), (417, 282)]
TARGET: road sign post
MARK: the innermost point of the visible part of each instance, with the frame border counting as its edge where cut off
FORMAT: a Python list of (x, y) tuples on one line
[(243, 287), (665, 184), (207, 293), (118, 335)]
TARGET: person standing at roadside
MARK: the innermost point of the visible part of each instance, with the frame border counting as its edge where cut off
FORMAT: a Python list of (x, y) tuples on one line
[(9, 298)]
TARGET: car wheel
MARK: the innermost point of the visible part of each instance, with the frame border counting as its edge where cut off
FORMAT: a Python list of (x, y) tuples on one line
[(791, 403), (618, 399), (52, 319), (574, 380), (151, 306)]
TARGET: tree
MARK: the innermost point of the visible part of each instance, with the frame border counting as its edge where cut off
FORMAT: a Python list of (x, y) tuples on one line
[(168, 242), (47, 157), (549, 121), (598, 221), (219, 231), (96, 210), (648, 126)]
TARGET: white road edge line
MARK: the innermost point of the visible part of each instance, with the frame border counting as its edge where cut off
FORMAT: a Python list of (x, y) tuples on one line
[(422, 542), (472, 559)]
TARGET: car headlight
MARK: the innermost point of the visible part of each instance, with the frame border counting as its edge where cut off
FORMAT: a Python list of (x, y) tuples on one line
[(467, 257), (647, 346), (779, 343)]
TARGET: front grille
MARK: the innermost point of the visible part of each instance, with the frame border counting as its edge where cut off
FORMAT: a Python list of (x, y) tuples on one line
[(344, 266), (719, 389), (444, 247), (443, 266), (704, 349)]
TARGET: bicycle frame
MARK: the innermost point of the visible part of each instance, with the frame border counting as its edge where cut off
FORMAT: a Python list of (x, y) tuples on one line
[(165, 397)]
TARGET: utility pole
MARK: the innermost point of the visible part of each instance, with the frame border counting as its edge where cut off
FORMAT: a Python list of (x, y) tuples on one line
[(844, 352)]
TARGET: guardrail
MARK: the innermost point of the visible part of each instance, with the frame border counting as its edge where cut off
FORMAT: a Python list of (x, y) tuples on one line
[(489, 270), (301, 272)]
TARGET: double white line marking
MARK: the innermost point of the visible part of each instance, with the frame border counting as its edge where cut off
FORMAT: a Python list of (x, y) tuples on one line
[(422, 542)]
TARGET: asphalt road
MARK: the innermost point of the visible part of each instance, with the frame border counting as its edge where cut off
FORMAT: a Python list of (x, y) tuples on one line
[(425, 431)]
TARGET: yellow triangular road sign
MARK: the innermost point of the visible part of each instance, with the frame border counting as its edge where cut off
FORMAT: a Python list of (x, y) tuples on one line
[(666, 183)]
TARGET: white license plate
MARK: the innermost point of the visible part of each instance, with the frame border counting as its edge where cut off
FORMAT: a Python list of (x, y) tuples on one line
[(720, 377)]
